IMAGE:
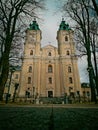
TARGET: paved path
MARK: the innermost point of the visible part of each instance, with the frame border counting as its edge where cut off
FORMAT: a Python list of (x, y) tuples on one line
[(49, 117)]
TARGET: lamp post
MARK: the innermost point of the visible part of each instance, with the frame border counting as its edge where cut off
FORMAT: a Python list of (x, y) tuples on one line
[(12, 69)]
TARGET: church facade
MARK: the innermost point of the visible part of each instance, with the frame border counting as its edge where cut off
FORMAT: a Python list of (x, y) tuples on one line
[(49, 71)]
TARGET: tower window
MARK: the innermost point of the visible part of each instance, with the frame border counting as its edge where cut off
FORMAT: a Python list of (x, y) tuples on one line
[(66, 38), (64, 27), (16, 76), (49, 54), (50, 80), (50, 69), (29, 80), (33, 27), (31, 52), (70, 80), (67, 52), (69, 69), (30, 69)]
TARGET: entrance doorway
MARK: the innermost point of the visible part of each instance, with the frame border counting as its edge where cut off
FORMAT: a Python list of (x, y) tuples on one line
[(50, 94)]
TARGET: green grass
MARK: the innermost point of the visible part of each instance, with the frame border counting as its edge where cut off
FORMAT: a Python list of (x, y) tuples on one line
[(38, 118)]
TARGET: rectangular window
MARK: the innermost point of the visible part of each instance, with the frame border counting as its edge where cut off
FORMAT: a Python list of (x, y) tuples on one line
[(29, 80), (50, 69), (16, 76), (70, 80), (50, 80)]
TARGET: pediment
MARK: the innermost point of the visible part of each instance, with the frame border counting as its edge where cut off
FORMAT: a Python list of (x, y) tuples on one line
[(49, 47)]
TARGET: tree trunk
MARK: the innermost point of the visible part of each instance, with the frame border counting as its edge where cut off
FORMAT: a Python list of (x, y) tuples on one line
[(92, 85), (4, 75), (96, 70), (91, 77)]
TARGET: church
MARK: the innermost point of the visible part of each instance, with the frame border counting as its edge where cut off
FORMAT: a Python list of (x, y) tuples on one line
[(49, 71)]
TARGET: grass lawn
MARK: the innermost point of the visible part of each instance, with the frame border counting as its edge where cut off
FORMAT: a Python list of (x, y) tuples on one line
[(42, 118)]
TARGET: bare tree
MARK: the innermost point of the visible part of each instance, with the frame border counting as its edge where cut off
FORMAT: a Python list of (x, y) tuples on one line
[(80, 12), (12, 13), (94, 46), (95, 4)]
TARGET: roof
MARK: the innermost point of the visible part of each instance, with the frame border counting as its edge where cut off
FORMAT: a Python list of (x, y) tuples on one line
[(18, 68), (85, 85), (15, 68), (64, 26), (49, 46), (34, 25)]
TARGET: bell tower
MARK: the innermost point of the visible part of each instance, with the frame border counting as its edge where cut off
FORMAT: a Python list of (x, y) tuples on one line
[(30, 72), (33, 39), (70, 79), (65, 39)]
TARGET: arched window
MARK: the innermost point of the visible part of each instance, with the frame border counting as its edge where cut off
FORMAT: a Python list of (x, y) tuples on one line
[(69, 69), (16, 76), (29, 80), (67, 53), (50, 69), (49, 54), (66, 38), (30, 69), (50, 80), (70, 80), (31, 52)]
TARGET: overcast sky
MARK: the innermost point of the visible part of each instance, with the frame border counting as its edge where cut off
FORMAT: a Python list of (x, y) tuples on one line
[(51, 20), (52, 17)]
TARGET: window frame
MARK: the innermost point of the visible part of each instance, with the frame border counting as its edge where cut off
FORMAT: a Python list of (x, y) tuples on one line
[(31, 52), (69, 69), (49, 54), (50, 80), (67, 52), (29, 80), (70, 80), (50, 69), (66, 38), (30, 69)]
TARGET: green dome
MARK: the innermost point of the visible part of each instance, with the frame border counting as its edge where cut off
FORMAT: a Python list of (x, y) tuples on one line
[(34, 26), (64, 26)]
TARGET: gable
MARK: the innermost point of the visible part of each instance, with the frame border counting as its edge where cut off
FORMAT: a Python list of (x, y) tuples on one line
[(49, 47)]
